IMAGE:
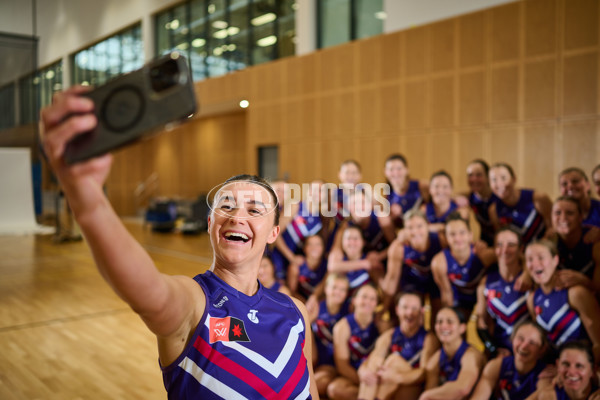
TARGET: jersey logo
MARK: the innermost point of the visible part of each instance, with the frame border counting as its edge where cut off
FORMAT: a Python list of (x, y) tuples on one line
[(252, 316), (228, 329), (221, 302)]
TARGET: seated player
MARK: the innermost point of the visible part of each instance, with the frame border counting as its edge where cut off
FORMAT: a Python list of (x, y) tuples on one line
[(453, 370), (266, 276), (396, 366), (573, 182), (458, 270), (333, 308), (516, 376), (481, 197), (354, 337), (565, 314), (441, 203), (306, 279)]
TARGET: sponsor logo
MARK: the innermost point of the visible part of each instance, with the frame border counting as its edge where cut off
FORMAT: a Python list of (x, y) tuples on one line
[(227, 329), (252, 316), (221, 302)]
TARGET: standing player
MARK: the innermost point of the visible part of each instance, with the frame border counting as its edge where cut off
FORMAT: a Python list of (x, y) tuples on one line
[(481, 197), (222, 323), (573, 182), (441, 204)]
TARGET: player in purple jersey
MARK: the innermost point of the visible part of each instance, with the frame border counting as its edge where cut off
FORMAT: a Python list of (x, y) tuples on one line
[(577, 378), (243, 220), (441, 203), (353, 339), (501, 302), (458, 269), (596, 179), (453, 370), (573, 182), (480, 198), (266, 276), (579, 262), (409, 264), (360, 268), (405, 194), (525, 209), (329, 311), (307, 279), (566, 314), (516, 376), (396, 366)]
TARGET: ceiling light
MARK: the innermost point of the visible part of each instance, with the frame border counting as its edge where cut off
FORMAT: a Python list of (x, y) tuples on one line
[(244, 103), (267, 41), (381, 15), (198, 42), (263, 19)]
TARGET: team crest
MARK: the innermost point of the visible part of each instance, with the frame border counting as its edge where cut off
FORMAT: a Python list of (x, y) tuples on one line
[(228, 329)]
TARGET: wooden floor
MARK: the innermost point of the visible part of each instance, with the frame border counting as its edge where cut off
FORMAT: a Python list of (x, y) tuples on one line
[(65, 335)]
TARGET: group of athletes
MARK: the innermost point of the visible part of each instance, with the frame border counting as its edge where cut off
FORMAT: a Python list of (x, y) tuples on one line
[(530, 281)]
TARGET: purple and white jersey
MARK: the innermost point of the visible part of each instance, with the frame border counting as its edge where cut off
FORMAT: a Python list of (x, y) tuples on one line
[(243, 347), (554, 313)]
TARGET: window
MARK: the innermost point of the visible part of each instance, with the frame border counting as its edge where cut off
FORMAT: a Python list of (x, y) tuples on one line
[(220, 36), (268, 162), (36, 91), (340, 21), (119, 54), (7, 106)]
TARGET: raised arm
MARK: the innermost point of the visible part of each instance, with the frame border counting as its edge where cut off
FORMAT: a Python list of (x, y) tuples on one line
[(439, 268), (389, 284), (170, 306)]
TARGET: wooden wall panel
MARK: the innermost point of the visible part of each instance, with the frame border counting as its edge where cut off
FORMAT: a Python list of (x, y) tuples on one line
[(443, 48), (442, 152), (540, 27), (369, 60), (415, 104), (391, 53), (472, 99), (579, 140), (505, 145), (415, 51), (505, 32), (505, 93), (442, 102), (472, 40), (389, 108), (368, 107), (470, 146), (417, 154), (539, 166), (581, 23), (580, 79), (540, 89)]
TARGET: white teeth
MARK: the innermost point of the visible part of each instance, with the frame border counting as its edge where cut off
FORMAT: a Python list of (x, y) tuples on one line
[(236, 234)]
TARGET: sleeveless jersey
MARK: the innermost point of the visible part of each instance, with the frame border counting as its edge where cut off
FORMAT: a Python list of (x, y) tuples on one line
[(409, 348), (358, 277), (556, 316), (322, 328), (308, 279), (373, 235), (579, 258), (450, 368), (243, 347), (480, 208), (506, 306), (416, 268), (410, 200), (275, 286), (464, 278), (593, 217), (522, 216), (512, 385), (361, 341), (302, 226), (562, 395), (434, 219)]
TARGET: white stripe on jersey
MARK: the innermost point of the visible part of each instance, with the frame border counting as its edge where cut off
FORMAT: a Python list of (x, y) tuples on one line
[(568, 332), (359, 280), (510, 309), (208, 381), (558, 315), (274, 368), (305, 392)]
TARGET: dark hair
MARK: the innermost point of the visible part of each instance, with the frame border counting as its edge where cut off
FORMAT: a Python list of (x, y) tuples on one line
[(441, 173), (541, 331), (397, 157), (571, 200), (510, 228), (504, 165), (351, 162), (484, 165), (455, 216), (581, 345), (574, 169), (457, 311), (262, 182)]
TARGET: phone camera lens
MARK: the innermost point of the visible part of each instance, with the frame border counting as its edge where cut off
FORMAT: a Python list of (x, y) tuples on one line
[(164, 76)]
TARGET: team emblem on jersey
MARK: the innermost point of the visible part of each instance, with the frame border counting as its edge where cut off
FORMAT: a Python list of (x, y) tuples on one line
[(252, 316), (228, 329)]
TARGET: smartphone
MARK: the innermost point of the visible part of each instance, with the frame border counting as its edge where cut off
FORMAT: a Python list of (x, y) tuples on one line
[(135, 105)]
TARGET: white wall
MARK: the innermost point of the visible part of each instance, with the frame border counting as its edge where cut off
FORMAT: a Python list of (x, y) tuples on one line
[(403, 14), (16, 17)]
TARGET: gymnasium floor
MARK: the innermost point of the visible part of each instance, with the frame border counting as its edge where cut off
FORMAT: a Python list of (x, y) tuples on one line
[(65, 335)]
